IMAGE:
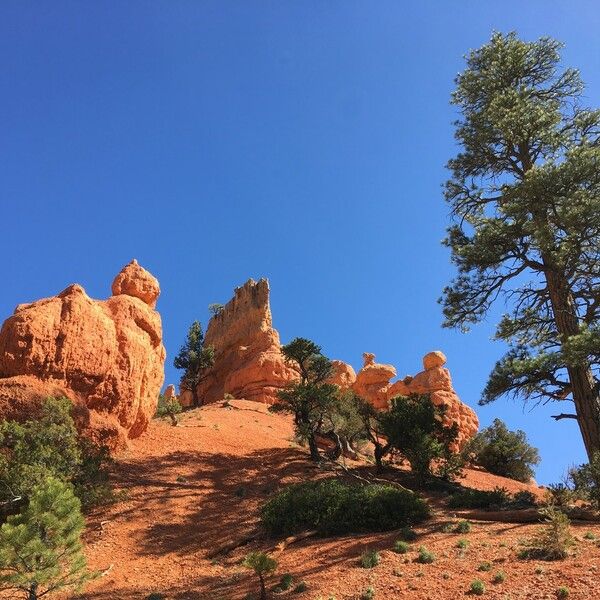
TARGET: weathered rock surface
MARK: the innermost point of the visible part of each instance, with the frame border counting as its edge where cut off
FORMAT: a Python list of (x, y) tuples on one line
[(170, 393), (373, 383), (106, 356), (342, 374), (248, 360)]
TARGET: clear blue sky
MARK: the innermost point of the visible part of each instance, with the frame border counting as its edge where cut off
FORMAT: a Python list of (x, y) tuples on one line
[(301, 141)]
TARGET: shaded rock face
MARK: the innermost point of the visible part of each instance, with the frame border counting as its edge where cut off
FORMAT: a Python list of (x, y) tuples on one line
[(248, 360), (373, 382), (106, 356)]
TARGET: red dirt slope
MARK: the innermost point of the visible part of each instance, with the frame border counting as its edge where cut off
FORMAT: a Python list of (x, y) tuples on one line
[(195, 488)]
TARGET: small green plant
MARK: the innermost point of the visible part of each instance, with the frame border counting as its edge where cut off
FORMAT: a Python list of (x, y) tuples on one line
[(368, 594), (562, 592), (369, 559), (553, 540), (559, 494), (539, 571), (589, 536), (425, 557), (401, 547), (286, 581), (463, 527), (485, 566), (263, 565), (477, 588), (300, 587), (499, 577), (462, 544)]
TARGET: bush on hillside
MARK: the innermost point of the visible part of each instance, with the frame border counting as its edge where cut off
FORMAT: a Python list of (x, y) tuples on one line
[(469, 498), (414, 426), (504, 452), (50, 447), (334, 507), (585, 480)]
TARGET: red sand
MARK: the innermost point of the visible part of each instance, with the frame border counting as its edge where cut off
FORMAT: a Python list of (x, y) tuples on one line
[(196, 487)]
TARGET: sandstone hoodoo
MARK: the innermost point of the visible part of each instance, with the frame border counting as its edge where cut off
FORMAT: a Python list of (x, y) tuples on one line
[(107, 356), (248, 360), (373, 382)]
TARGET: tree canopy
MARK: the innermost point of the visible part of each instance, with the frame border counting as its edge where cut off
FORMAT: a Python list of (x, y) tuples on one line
[(524, 194)]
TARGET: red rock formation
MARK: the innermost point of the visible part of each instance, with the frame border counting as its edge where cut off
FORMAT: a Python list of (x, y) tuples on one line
[(248, 360), (106, 356), (373, 384), (342, 374)]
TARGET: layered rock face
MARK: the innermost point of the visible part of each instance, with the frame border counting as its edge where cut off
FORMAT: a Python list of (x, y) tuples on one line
[(373, 382), (106, 356), (248, 360)]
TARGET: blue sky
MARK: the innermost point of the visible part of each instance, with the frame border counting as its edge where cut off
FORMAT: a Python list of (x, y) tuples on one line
[(300, 141)]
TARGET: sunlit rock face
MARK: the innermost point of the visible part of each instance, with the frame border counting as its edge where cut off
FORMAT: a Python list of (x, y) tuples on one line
[(107, 356), (248, 359)]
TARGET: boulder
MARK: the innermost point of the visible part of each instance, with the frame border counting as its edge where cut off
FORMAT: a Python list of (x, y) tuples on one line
[(106, 356)]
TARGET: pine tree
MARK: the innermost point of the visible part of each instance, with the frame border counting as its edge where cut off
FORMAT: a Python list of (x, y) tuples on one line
[(194, 359), (311, 398), (262, 564), (40, 548), (525, 197)]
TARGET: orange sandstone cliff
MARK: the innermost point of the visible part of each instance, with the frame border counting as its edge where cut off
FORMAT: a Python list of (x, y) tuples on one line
[(106, 356)]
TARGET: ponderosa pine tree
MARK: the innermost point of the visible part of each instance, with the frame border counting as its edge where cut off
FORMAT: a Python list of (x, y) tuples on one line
[(525, 197), (194, 359), (311, 398), (40, 548)]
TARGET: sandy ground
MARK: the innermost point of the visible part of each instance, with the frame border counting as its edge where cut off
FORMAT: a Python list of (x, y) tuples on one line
[(197, 487)]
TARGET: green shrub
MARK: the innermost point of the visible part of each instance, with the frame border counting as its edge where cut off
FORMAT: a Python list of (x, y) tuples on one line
[(414, 426), (585, 480), (167, 408), (408, 534), (301, 587), (463, 527), (499, 577), (401, 547), (553, 540), (462, 544), (562, 592), (368, 594), (470, 498), (425, 557), (50, 446), (155, 596), (286, 581), (485, 566), (504, 452), (334, 507), (370, 559), (524, 499), (477, 588), (559, 494)]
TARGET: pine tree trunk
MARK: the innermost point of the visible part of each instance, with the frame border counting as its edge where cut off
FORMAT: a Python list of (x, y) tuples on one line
[(263, 589), (583, 389), (314, 449), (33, 591)]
